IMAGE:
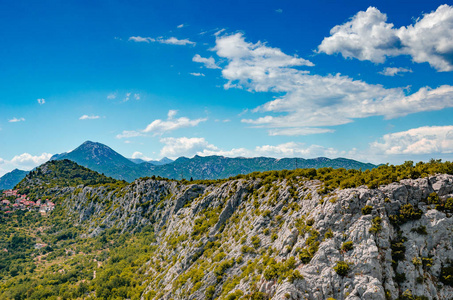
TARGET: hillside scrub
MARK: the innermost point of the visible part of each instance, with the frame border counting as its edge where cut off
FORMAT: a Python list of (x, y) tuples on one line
[(256, 236)]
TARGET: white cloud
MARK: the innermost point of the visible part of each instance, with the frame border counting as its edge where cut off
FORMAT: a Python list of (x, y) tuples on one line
[(314, 101), (208, 62), (41, 101), (23, 161), (15, 120), (180, 26), (137, 96), (422, 140), (175, 41), (111, 96), (159, 127), (128, 95), (279, 10), (368, 36), (175, 147), (128, 134), (394, 71), (197, 74), (169, 41), (87, 117), (140, 39), (298, 131), (140, 155), (171, 113)]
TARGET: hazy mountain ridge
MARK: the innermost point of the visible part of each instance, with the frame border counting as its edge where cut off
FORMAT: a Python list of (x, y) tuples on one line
[(103, 159), (277, 235), (9, 180)]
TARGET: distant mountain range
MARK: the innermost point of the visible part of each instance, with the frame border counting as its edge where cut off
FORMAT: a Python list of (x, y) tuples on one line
[(9, 180), (103, 159)]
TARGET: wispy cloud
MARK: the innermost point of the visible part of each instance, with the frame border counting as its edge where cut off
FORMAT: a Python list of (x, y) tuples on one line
[(15, 120), (180, 26), (159, 127), (394, 71), (208, 62), (41, 101), (196, 74), (111, 96), (169, 41), (87, 117), (279, 10), (139, 39)]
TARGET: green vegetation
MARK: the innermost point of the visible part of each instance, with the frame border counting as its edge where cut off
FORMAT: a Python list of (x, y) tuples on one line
[(66, 264), (406, 213), (342, 268), (366, 210), (376, 225), (347, 246)]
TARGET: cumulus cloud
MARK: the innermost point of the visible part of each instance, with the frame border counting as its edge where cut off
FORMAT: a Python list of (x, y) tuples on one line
[(23, 161), (368, 36), (394, 71), (159, 127), (87, 117), (208, 62), (15, 120), (197, 74), (175, 147), (41, 101), (309, 102), (422, 140), (140, 155), (169, 41)]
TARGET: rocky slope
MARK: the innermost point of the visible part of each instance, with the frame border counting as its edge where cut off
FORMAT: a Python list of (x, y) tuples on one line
[(277, 236)]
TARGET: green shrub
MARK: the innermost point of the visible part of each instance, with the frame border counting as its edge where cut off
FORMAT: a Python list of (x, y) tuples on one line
[(420, 230), (210, 292), (342, 268), (366, 210), (256, 242), (433, 198), (446, 275), (295, 275), (416, 261), (399, 277), (376, 225), (328, 234), (406, 213), (347, 246)]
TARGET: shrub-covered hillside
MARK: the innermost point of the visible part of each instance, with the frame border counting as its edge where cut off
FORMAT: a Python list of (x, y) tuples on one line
[(303, 234)]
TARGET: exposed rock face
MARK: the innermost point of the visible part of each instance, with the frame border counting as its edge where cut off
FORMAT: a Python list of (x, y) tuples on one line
[(220, 239)]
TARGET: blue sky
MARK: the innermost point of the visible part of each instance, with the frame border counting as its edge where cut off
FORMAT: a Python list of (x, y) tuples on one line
[(368, 80)]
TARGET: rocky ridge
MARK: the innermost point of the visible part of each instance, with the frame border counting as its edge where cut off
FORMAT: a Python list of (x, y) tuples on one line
[(283, 238)]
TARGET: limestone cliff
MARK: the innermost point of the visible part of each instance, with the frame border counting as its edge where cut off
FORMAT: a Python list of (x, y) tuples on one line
[(283, 238)]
